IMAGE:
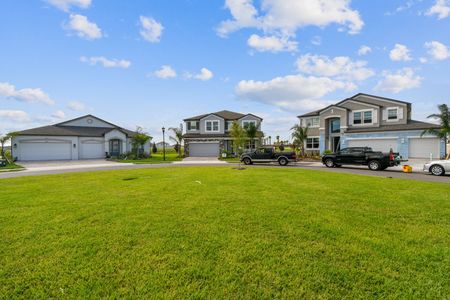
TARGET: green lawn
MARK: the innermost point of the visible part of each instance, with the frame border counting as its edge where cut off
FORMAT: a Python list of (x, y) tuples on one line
[(156, 158), (217, 232)]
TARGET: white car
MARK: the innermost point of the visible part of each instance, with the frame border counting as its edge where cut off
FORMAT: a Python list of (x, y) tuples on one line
[(437, 167)]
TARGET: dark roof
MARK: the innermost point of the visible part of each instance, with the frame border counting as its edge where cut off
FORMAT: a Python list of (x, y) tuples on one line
[(411, 125), (205, 136), (58, 130), (61, 130), (316, 112), (225, 114)]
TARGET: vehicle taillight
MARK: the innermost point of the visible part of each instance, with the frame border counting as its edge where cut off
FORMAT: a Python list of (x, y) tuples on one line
[(391, 156)]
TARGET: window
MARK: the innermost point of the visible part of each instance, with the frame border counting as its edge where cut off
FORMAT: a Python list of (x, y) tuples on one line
[(362, 117), (335, 126), (193, 125), (357, 118), (212, 126), (228, 125), (368, 117), (392, 113), (312, 122), (245, 123), (312, 143)]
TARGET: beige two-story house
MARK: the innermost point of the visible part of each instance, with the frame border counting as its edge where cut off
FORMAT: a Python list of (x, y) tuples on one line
[(208, 135), (370, 121)]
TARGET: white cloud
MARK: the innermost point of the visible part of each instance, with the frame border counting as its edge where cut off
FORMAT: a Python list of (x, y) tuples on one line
[(77, 106), (441, 8), (15, 116), (403, 79), (423, 60), (204, 75), (286, 16), (316, 40), (107, 63), (364, 50), (59, 114), (83, 27), (65, 5), (271, 43), (340, 67), (437, 50), (25, 95), (400, 53), (290, 92), (151, 30), (165, 72)]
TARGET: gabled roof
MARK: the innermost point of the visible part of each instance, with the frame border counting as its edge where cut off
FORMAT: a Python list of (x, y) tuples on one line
[(225, 114), (60, 129), (317, 112), (87, 116)]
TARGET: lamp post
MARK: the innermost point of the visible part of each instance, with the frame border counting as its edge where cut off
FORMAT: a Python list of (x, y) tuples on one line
[(164, 144)]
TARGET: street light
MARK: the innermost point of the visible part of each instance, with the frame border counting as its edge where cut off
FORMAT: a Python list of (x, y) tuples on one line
[(164, 144)]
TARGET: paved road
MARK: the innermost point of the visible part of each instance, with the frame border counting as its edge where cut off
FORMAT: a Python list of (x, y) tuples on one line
[(421, 176)]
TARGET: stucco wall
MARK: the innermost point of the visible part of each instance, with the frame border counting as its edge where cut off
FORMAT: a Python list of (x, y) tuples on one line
[(84, 123)]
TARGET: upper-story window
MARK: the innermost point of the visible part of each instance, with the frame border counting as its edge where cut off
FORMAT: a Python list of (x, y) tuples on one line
[(335, 126), (392, 113), (312, 122), (212, 126), (362, 117), (246, 123), (193, 125)]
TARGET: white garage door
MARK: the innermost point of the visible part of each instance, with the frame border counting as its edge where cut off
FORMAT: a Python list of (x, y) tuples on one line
[(204, 149), (421, 148), (49, 150), (92, 149), (383, 145)]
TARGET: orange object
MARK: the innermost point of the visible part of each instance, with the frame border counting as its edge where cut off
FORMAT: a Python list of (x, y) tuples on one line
[(407, 169)]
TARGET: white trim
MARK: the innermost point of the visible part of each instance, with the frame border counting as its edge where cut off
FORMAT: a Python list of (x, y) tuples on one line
[(362, 111), (212, 115), (212, 125), (360, 103), (333, 116), (312, 137), (372, 138), (387, 114)]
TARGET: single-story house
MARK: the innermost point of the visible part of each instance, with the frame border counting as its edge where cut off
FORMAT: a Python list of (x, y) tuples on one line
[(86, 137)]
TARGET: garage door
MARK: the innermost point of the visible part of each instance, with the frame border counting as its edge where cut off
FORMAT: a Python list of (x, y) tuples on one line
[(45, 150), (421, 148), (383, 145), (92, 149), (204, 149)]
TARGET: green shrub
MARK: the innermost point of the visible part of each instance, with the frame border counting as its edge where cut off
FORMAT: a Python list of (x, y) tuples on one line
[(327, 152), (154, 149)]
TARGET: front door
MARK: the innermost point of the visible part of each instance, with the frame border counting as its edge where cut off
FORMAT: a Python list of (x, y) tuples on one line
[(114, 147)]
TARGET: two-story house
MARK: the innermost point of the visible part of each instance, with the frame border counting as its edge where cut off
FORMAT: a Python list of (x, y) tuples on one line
[(208, 135), (372, 121)]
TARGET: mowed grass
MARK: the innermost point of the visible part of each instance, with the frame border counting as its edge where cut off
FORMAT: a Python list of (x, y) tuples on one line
[(217, 233), (157, 158)]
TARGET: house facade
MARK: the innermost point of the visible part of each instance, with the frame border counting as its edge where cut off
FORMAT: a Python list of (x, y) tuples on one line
[(208, 135), (86, 137), (370, 121)]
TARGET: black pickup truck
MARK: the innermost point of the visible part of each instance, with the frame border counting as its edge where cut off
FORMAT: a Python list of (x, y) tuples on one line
[(266, 155), (365, 156)]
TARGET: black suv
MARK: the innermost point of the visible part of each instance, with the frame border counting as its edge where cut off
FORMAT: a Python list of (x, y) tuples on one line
[(375, 160)]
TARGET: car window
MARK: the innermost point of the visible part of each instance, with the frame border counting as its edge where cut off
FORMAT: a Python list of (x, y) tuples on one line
[(344, 151)]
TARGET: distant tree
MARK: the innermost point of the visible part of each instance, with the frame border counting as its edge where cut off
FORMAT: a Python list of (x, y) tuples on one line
[(251, 131), (299, 136), (278, 139), (154, 148), (177, 137), (281, 146), (139, 139), (239, 136), (176, 147), (3, 140), (444, 121)]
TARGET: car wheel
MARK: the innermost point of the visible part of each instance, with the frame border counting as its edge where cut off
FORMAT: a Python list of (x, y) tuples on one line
[(247, 161), (437, 170), (374, 165), (283, 161), (329, 163)]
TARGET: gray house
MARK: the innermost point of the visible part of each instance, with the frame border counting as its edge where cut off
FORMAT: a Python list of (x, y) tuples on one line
[(372, 121), (209, 134)]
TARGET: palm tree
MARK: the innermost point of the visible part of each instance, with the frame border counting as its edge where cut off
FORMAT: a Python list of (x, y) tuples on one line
[(178, 137), (444, 121), (7, 137), (299, 136), (239, 136)]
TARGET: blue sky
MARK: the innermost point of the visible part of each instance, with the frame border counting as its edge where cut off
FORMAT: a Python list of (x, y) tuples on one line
[(152, 63)]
